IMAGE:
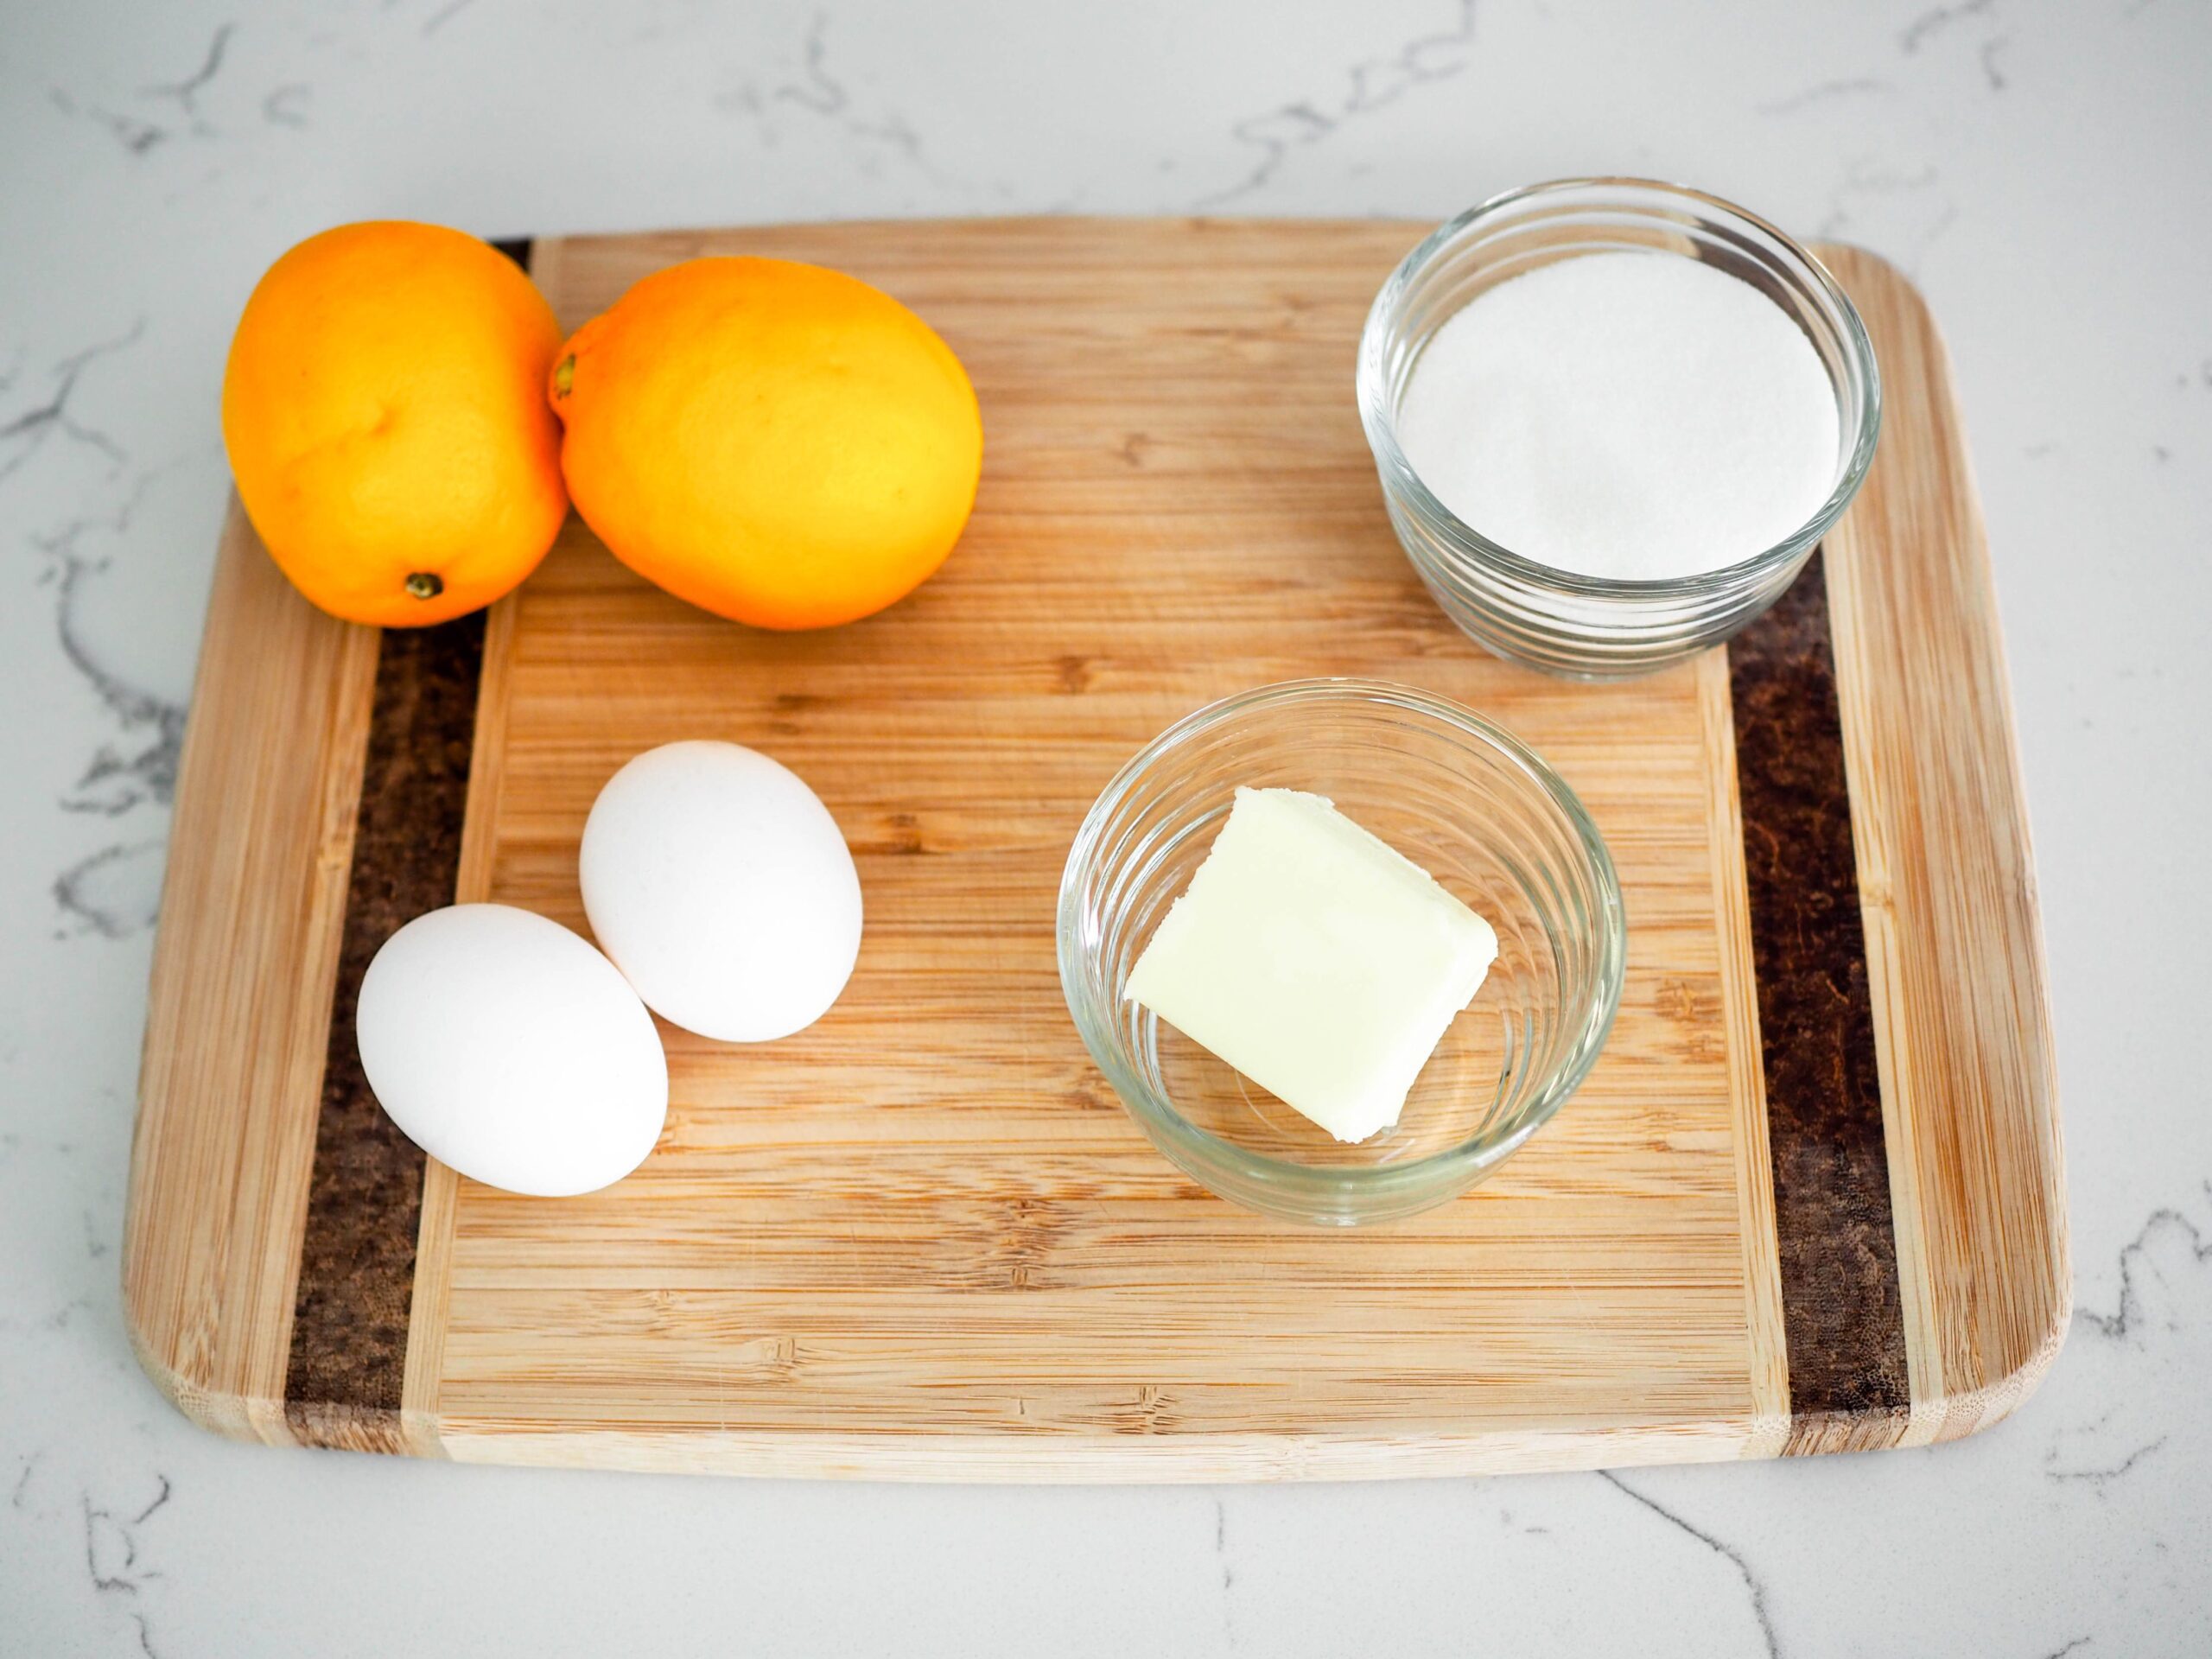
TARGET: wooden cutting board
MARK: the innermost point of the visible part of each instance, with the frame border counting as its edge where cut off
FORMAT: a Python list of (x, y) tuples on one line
[(1810, 1199)]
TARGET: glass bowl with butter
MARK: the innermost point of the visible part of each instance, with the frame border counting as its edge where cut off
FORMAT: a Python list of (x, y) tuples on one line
[(1302, 883), (1612, 418)]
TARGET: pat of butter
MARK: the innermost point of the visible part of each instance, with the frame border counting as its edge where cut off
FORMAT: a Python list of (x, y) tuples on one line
[(1316, 959)]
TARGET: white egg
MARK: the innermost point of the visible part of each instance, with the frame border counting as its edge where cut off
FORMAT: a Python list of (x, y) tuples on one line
[(721, 886), (504, 1045)]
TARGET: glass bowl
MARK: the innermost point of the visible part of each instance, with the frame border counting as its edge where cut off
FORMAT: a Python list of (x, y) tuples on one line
[(1594, 627), (1467, 801)]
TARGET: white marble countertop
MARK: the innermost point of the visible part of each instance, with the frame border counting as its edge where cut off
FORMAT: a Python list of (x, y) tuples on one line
[(2041, 167)]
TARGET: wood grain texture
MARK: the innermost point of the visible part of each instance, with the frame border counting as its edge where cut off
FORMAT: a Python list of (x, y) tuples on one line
[(251, 911), (1739, 1015), (426, 1323), (1947, 879), (923, 1226), (920, 1239)]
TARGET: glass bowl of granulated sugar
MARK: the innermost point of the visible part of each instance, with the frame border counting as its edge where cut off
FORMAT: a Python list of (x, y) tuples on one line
[(1613, 418)]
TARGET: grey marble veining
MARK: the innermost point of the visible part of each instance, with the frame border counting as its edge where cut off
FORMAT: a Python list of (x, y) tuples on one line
[(2040, 167)]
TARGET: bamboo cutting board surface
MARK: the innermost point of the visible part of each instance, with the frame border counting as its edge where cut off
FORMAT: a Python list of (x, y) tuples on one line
[(1810, 1199)]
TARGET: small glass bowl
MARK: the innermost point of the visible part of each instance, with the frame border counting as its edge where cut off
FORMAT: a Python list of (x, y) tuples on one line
[(1467, 802), (1592, 627)]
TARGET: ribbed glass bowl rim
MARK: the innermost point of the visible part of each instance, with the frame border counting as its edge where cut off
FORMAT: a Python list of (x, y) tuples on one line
[(1382, 426), (1438, 1170)]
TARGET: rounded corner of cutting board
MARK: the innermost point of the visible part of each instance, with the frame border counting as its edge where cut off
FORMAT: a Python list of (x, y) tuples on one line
[(235, 1416), (1864, 262), (1960, 1414)]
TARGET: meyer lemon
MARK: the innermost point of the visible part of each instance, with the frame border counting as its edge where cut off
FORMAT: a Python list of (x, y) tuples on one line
[(384, 412), (781, 444)]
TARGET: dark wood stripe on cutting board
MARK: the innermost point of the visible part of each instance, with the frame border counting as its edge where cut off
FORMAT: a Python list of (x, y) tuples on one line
[(348, 1356), (364, 1196), (1841, 1308)]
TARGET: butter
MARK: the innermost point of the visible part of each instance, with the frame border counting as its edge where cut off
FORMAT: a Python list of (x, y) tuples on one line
[(1316, 959)]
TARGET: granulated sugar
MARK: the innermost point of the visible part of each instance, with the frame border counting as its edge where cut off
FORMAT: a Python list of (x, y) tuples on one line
[(1626, 414)]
